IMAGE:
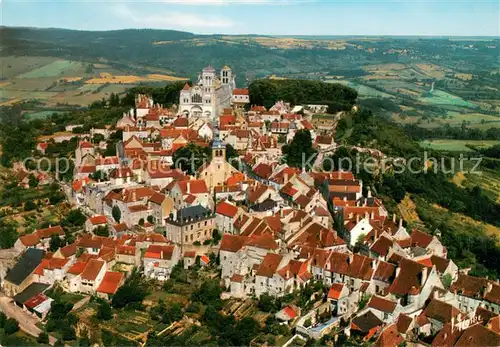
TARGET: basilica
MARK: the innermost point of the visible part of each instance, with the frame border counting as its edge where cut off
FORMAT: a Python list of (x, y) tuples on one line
[(209, 96)]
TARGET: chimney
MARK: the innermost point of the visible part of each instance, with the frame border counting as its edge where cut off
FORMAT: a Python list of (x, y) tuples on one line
[(374, 264), (372, 215), (400, 222), (188, 187), (161, 254), (398, 270), (134, 196), (394, 218)]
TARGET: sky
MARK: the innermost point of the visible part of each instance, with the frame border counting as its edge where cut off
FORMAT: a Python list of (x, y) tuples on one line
[(269, 17)]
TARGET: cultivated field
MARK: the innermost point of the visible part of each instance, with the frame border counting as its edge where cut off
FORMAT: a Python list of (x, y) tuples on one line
[(56, 82), (456, 145)]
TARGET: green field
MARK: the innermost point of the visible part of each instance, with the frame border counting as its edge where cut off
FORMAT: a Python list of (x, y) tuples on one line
[(54, 69), (39, 114), (456, 145), (363, 90), (439, 97), (13, 66)]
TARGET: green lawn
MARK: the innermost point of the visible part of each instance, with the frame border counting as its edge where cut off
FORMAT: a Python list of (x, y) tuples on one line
[(456, 145)]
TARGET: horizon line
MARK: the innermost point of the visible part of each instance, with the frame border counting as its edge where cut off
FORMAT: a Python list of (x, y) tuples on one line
[(256, 34)]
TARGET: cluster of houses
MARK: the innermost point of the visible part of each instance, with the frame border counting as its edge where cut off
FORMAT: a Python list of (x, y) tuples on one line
[(282, 228)]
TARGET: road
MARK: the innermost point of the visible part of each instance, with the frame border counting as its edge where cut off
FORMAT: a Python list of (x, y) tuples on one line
[(26, 321)]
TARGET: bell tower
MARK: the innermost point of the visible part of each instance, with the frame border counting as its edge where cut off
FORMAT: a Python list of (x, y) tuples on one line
[(226, 75)]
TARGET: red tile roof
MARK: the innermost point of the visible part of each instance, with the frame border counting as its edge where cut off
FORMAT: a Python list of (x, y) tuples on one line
[(36, 300), (69, 250), (240, 91), (232, 243), (269, 265), (126, 250), (98, 219), (389, 337), (478, 335), (420, 238), (409, 276), (160, 252), (264, 241), (194, 186), (48, 232), (237, 278), (335, 291), (29, 240), (290, 312), (226, 209), (110, 282), (382, 304), (86, 144), (441, 311), (92, 269), (77, 268)]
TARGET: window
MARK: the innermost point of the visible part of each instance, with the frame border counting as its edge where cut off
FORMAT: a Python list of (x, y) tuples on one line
[(196, 98)]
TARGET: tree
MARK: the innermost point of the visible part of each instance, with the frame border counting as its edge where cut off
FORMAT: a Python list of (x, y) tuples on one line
[(97, 138), (33, 181), (8, 235), (3, 318), (133, 291), (268, 303), (300, 150), (189, 158), (151, 219), (43, 338), (208, 293), (231, 152), (447, 279), (55, 243), (173, 314), (75, 218), (104, 311), (216, 236), (29, 205), (102, 230), (141, 222), (11, 326), (114, 100), (116, 213)]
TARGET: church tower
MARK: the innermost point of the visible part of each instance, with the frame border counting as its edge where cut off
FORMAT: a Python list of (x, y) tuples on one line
[(218, 149), (226, 75), (208, 79)]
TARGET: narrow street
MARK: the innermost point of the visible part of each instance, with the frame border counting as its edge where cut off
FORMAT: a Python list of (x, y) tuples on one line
[(27, 322)]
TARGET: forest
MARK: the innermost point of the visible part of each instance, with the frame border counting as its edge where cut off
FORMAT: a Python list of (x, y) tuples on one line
[(338, 97)]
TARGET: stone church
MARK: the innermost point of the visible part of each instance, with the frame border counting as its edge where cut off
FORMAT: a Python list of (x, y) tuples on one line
[(209, 96)]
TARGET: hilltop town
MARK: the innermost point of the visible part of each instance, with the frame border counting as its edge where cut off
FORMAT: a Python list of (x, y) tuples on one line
[(199, 204)]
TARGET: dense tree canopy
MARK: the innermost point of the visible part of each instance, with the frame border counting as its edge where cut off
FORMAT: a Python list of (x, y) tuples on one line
[(266, 92), (300, 151)]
